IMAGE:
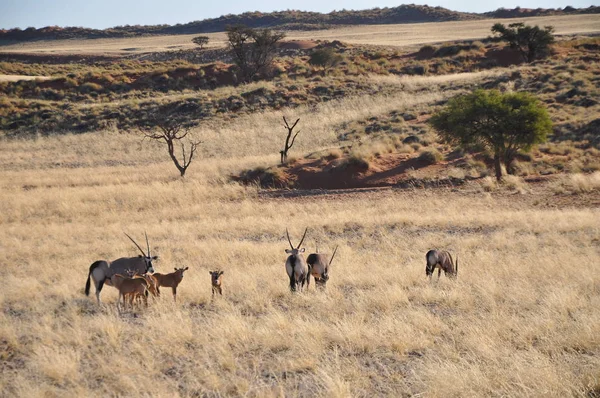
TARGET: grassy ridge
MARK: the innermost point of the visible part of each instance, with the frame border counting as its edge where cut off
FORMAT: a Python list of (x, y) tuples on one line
[(288, 20)]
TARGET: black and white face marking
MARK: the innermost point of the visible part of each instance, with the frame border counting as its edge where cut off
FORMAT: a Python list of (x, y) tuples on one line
[(294, 252), (148, 261), (214, 276)]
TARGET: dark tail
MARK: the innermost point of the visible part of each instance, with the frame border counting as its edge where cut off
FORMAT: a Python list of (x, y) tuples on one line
[(457, 265), (87, 284)]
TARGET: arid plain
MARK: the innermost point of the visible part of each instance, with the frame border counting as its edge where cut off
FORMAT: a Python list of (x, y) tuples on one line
[(521, 320)]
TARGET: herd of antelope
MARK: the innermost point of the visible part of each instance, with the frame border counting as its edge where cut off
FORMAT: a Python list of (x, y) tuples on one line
[(135, 279)]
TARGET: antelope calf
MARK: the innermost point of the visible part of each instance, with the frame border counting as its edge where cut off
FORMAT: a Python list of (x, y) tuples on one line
[(443, 261), (318, 267), (215, 278), (152, 283), (295, 265), (171, 280), (129, 288)]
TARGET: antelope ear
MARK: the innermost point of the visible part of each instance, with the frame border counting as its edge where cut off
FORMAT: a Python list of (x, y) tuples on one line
[(221, 273), (186, 268), (288, 251), (154, 257), (302, 250), (175, 269), (210, 272)]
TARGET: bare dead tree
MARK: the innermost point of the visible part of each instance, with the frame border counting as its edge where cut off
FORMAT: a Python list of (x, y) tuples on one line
[(288, 144), (171, 132)]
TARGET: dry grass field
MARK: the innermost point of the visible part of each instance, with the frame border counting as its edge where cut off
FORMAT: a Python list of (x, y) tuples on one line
[(388, 35), (521, 320), (14, 78)]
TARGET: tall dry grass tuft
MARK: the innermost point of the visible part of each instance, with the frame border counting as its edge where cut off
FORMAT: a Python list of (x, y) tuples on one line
[(577, 183)]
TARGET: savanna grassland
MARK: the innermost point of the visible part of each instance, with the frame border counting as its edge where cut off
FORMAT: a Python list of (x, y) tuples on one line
[(522, 318)]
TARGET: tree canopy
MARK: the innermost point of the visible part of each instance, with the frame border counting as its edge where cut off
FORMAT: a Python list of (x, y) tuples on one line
[(531, 41), (200, 41), (253, 50), (502, 122)]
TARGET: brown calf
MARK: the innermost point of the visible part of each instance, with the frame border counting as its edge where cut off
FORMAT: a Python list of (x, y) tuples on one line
[(171, 280), (129, 288), (216, 279)]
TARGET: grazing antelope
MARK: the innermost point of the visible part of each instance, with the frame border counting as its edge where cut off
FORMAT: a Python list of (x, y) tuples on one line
[(130, 288), (318, 267), (215, 278), (171, 280), (443, 261), (295, 265), (102, 271), (150, 280)]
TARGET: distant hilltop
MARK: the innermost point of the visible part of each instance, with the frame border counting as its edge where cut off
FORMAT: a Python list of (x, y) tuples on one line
[(287, 20)]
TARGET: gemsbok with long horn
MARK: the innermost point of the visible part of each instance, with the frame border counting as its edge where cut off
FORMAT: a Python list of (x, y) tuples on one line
[(318, 267), (443, 261), (102, 271), (295, 265)]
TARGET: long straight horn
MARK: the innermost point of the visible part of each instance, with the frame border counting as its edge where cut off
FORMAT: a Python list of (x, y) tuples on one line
[(302, 240), (335, 251), (147, 244), (288, 236), (134, 242)]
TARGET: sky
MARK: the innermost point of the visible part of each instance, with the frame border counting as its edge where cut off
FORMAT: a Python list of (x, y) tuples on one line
[(102, 14)]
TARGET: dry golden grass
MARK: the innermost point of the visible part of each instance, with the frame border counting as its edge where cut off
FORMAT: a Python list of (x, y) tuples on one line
[(388, 35), (15, 78), (522, 319)]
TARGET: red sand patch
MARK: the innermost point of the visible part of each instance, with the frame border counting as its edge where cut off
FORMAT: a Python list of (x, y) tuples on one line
[(387, 170)]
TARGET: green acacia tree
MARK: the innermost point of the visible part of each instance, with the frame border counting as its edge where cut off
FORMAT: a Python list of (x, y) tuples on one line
[(532, 42), (505, 123), (253, 50), (200, 41)]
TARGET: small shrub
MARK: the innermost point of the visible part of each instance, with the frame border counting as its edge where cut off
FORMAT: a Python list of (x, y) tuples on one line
[(90, 87), (335, 153), (515, 183), (455, 172), (489, 184), (326, 58), (430, 156), (271, 177), (356, 162), (427, 49), (447, 51)]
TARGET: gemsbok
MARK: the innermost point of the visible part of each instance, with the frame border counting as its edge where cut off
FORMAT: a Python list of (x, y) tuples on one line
[(102, 271), (318, 267), (295, 265), (443, 261), (171, 280)]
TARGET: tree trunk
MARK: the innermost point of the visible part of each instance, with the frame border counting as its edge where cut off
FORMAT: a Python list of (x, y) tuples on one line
[(498, 166), (174, 158)]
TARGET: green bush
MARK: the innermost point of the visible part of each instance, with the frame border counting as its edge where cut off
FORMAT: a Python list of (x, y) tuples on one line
[(325, 57)]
